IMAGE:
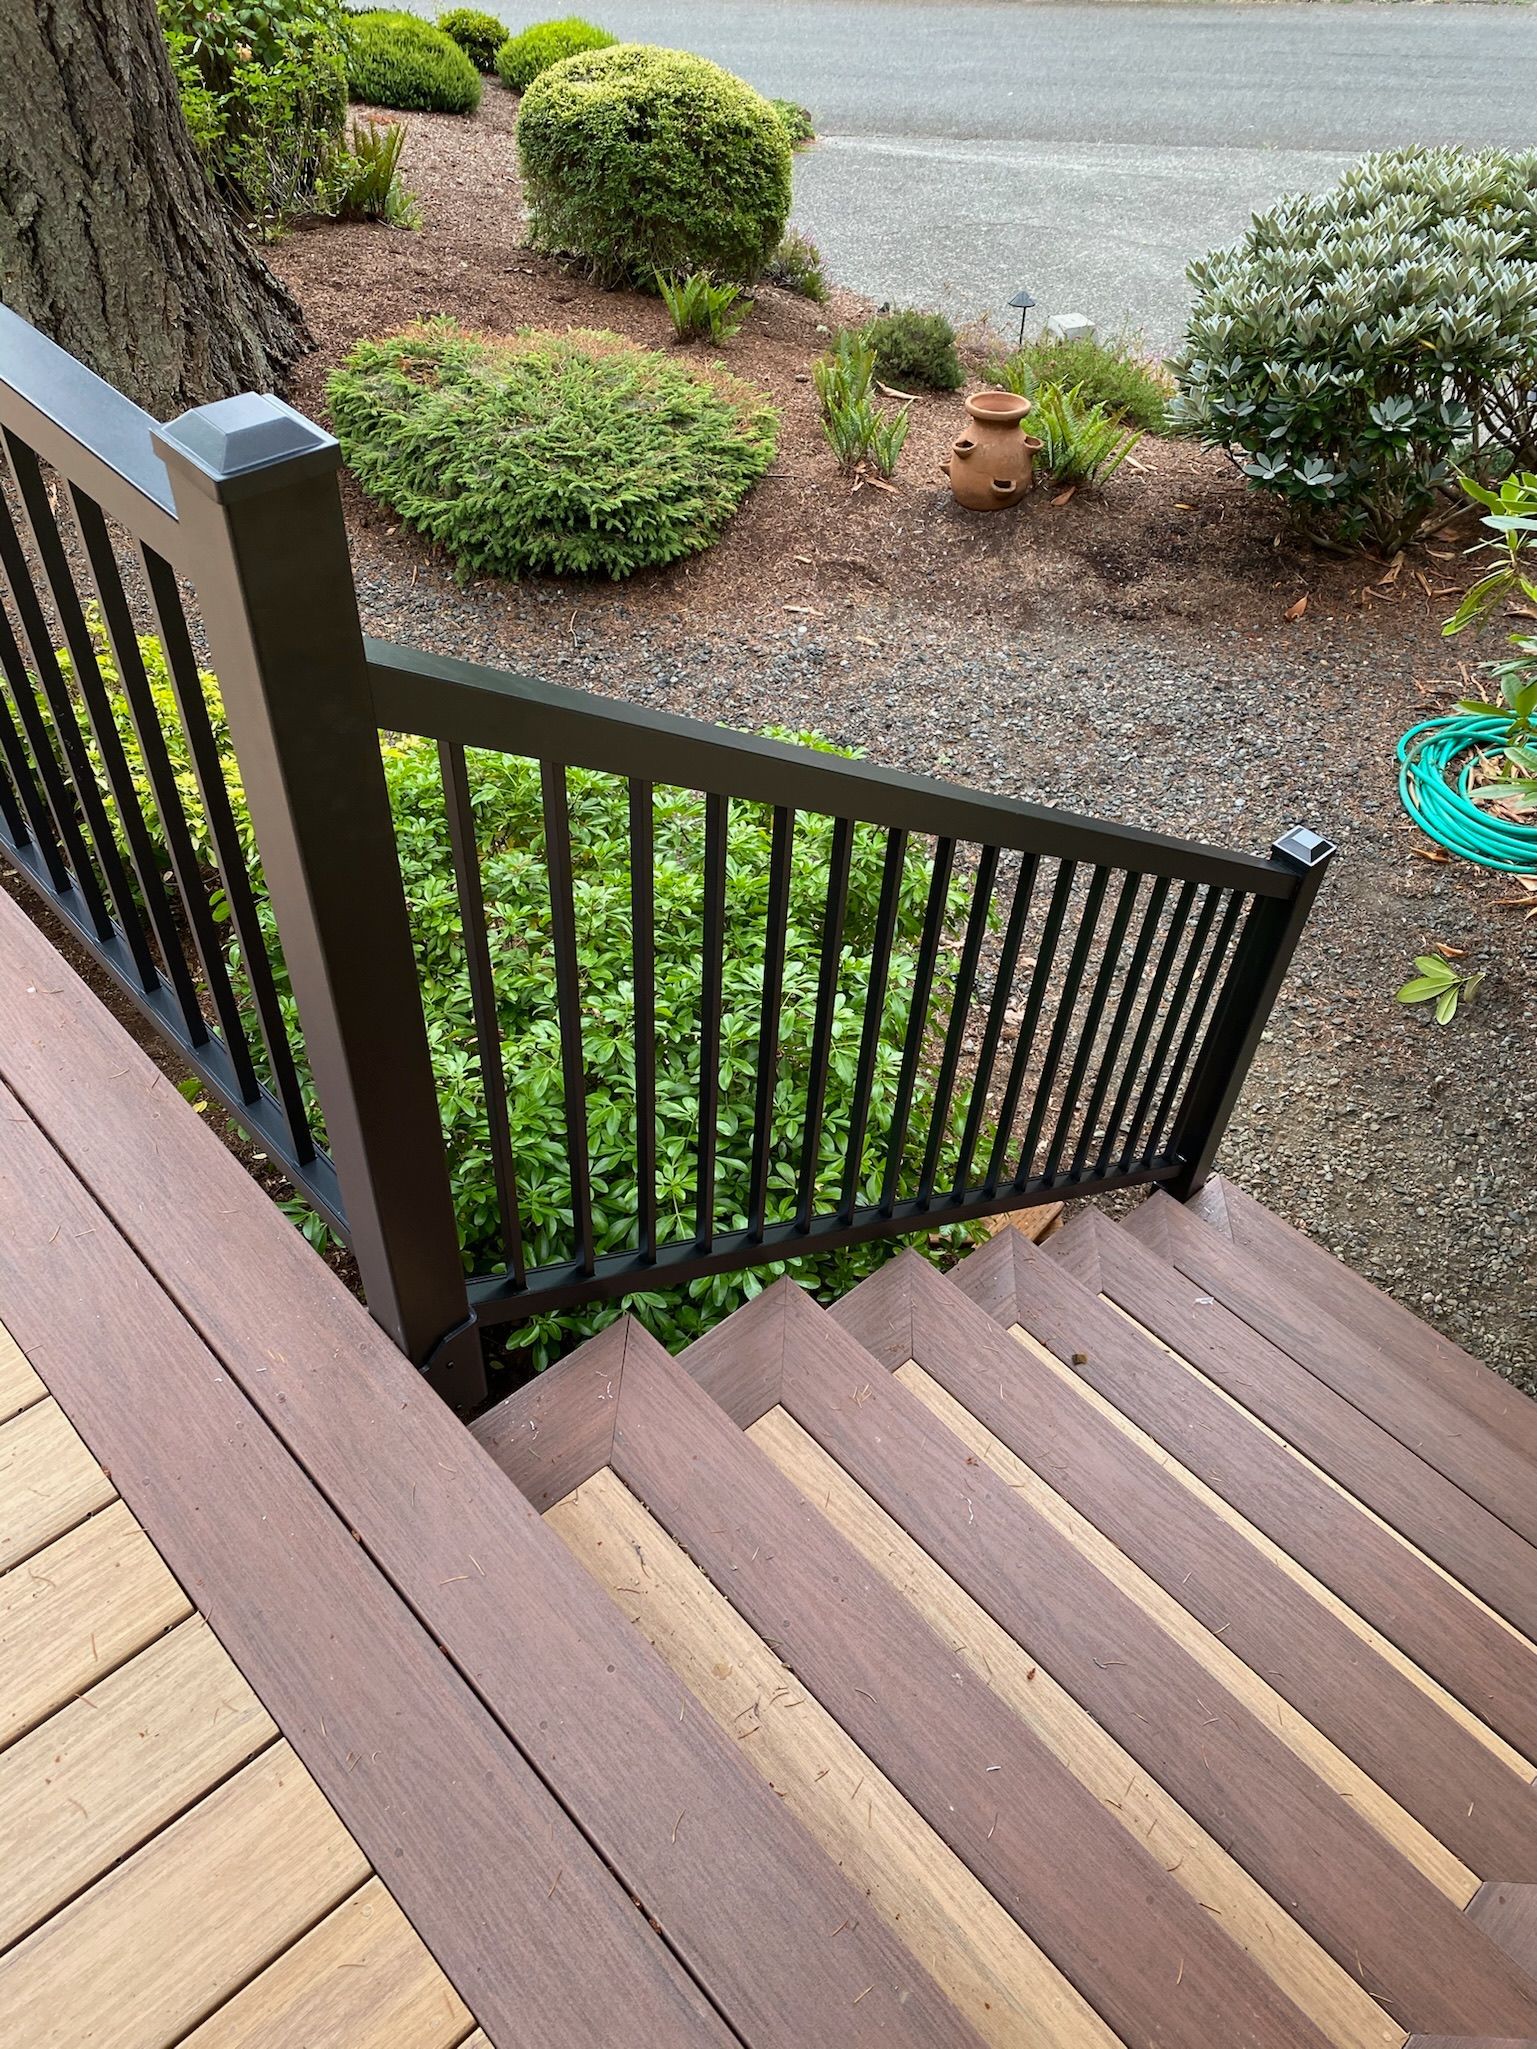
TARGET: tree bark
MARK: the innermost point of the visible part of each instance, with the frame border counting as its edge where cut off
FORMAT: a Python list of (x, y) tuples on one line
[(112, 240)]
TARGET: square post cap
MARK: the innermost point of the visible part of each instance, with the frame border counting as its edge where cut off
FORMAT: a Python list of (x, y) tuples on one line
[(236, 447), (1301, 847)]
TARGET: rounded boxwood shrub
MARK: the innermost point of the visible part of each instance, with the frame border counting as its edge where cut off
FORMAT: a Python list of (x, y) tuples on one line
[(554, 453), (521, 58), (478, 34), (915, 349), (643, 160), (395, 60), (1360, 346)]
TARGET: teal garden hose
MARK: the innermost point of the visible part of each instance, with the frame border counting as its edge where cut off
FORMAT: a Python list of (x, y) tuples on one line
[(1436, 761)]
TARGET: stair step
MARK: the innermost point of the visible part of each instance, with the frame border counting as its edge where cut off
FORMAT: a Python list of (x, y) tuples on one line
[(1417, 1607), (1404, 1338), (1432, 1422)]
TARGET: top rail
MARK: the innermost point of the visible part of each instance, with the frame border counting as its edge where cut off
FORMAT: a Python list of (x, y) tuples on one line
[(497, 708), (87, 430)]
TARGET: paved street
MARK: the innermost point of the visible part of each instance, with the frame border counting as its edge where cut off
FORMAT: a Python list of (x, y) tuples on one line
[(1088, 151)]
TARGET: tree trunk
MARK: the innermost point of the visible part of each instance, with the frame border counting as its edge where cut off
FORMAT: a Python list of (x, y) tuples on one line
[(112, 240)]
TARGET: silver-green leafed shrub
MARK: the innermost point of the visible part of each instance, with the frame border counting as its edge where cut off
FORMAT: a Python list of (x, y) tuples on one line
[(1360, 345)]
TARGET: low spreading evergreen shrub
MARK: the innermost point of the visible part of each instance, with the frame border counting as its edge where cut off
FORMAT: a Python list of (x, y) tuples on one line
[(397, 60), (1361, 346), (915, 350), (796, 265), (563, 454), (478, 34), (641, 160), (799, 127), (521, 58), (1114, 372)]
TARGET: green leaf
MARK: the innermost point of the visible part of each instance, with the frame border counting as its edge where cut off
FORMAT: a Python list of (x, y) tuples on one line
[(1420, 989), (1446, 1006)]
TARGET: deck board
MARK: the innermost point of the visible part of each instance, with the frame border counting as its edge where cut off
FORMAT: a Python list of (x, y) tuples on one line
[(19, 1384), (51, 1482)]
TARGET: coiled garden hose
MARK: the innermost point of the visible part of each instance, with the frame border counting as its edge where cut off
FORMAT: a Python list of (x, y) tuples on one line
[(1437, 758)]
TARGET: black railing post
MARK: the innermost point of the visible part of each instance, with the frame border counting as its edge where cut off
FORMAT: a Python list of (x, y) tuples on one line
[(256, 496), (1253, 981)]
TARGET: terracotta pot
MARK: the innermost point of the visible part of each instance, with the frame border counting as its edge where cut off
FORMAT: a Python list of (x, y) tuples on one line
[(993, 462)]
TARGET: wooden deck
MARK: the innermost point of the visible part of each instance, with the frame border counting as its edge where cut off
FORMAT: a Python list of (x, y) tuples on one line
[(1127, 1644)]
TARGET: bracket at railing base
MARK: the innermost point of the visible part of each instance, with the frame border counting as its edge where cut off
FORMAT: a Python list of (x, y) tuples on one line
[(455, 1368)]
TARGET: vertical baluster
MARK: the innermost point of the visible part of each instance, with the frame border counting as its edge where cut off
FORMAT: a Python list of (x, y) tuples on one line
[(960, 1011), (776, 923), (568, 1001), (234, 874), (1072, 981), (10, 809), (712, 975), (822, 1025), (643, 982), (1003, 988), (23, 687), (464, 845), (889, 903), (35, 824), (1131, 1153), (1120, 1023), (1024, 1045), (1089, 1030), (917, 1018), (1210, 975)]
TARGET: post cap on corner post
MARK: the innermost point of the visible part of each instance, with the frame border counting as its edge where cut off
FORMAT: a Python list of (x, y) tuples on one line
[(1303, 848), (235, 447)]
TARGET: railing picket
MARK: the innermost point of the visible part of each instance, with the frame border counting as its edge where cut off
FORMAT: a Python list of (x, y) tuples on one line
[(992, 1032), (1179, 920), (464, 846), (1089, 1030), (917, 1017), (1120, 1022), (893, 868), (568, 999), (960, 1010), (1205, 990), (775, 924), (36, 825), (1088, 922), (712, 975), (822, 1023), (1029, 1024), (643, 982), (10, 809), (234, 874), (1194, 947)]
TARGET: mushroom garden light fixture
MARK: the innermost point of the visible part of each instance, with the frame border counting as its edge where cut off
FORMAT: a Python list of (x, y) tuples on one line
[(1024, 302)]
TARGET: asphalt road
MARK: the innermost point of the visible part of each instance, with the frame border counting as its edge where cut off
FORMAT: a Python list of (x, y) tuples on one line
[(1088, 152)]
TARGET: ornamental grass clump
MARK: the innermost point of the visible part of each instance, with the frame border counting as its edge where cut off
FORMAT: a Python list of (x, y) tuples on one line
[(1359, 347), (639, 160), (396, 60), (552, 454), (519, 59)]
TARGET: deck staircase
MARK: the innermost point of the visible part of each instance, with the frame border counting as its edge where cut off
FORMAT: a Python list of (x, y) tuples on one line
[(1143, 1622)]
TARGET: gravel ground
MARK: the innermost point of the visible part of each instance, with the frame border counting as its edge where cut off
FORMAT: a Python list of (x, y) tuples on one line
[(1406, 1148)]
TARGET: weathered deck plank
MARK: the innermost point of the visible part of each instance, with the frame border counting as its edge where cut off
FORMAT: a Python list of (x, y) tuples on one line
[(53, 1482)]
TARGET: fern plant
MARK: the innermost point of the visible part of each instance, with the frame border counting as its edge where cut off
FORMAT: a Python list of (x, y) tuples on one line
[(857, 430), (370, 170), (1082, 444), (699, 308)]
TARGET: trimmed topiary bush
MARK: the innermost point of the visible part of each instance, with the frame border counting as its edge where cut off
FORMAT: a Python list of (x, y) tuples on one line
[(642, 160), (564, 454), (521, 58), (478, 34), (395, 60), (1360, 346), (915, 349)]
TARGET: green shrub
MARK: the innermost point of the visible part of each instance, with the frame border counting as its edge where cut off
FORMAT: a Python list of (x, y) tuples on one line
[(370, 187), (796, 266), (478, 34), (856, 429), (505, 799), (521, 58), (1113, 373), (554, 453), (798, 125), (641, 160), (914, 348), (264, 93), (700, 309), (1081, 443), (396, 60), (1357, 347)]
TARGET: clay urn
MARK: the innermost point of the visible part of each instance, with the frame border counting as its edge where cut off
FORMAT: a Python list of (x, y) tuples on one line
[(992, 464)]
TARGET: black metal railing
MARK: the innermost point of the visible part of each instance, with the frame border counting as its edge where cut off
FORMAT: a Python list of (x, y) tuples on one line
[(671, 1001)]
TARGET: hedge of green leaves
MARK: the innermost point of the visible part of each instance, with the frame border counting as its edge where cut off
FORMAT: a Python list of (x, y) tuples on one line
[(641, 160), (1359, 346), (521, 58), (478, 34), (561, 454), (505, 795), (397, 60)]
